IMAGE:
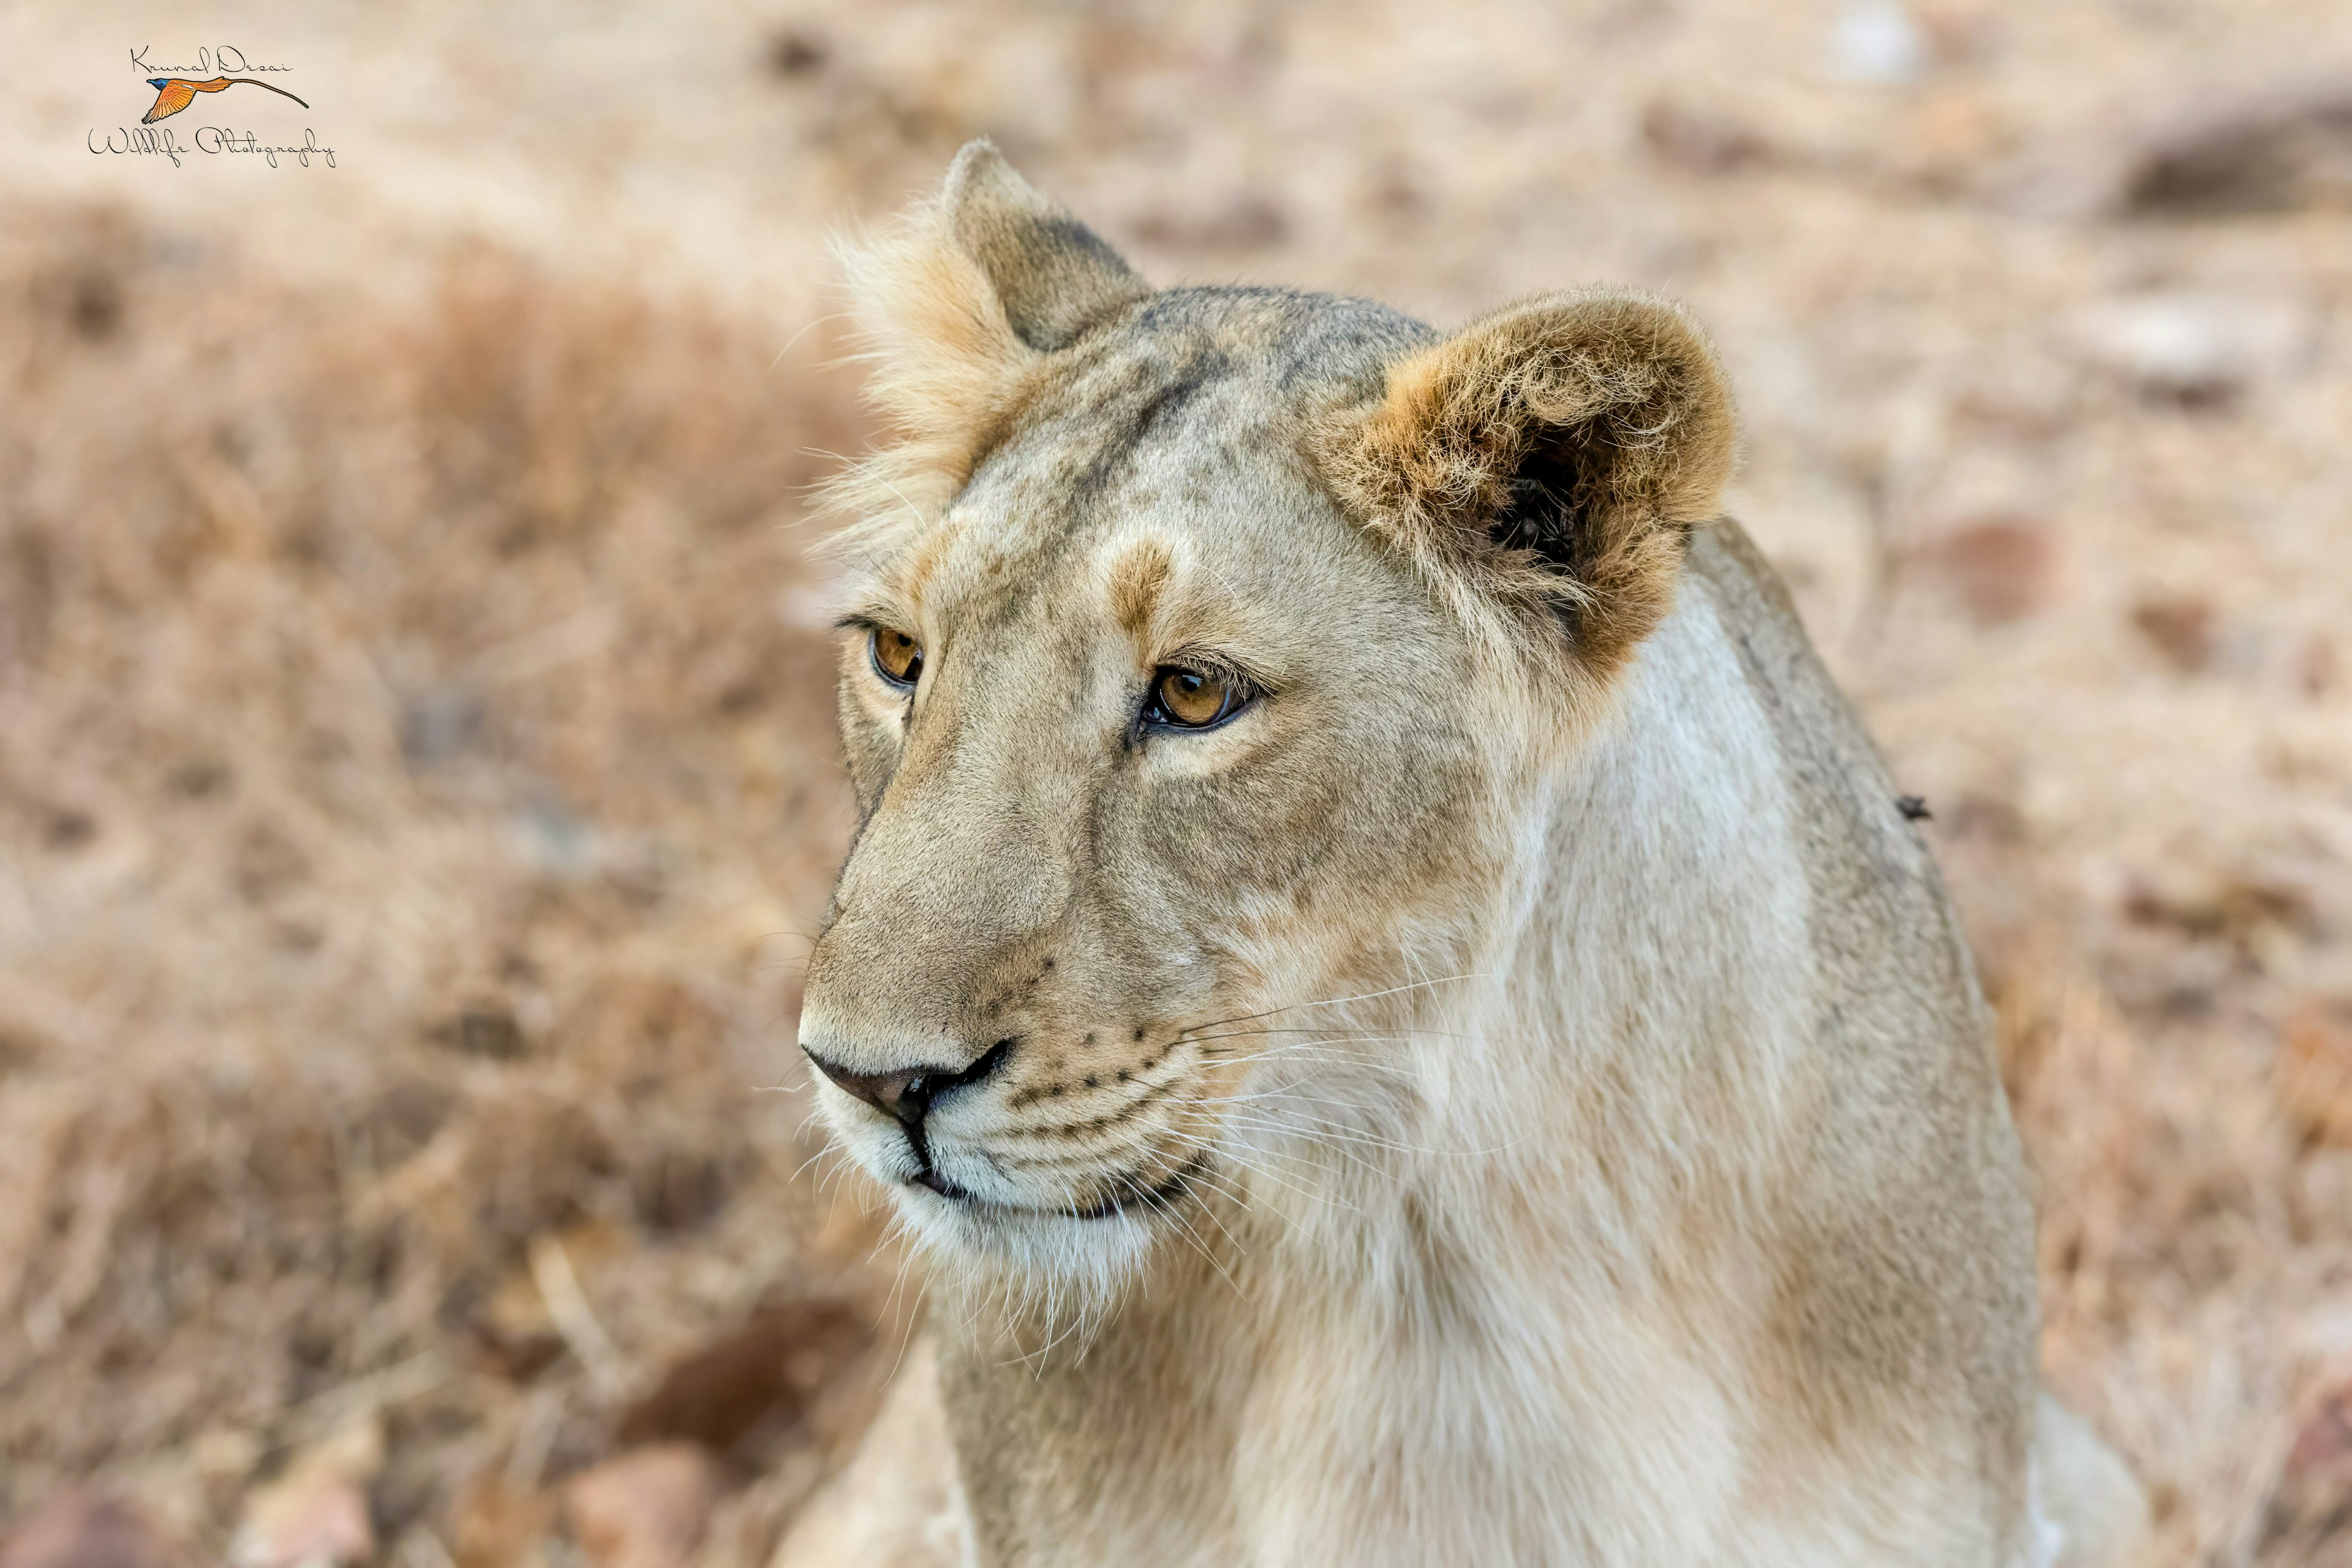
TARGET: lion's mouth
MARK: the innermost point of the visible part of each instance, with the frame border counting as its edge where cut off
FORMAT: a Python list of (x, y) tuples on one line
[(1125, 1195)]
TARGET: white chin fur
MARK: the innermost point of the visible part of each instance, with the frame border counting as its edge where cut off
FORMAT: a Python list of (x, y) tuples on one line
[(1032, 1259), (1055, 1263)]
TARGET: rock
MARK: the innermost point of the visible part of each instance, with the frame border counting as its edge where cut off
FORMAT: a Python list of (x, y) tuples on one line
[(1701, 141), (768, 1372), (2317, 667), (2192, 347), (2001, 568), (317, 1511), (2285, 150), (646, 1508), (2179, 626), (495, 1525), (79, 1529), (1877, 41), (2311, 1507), (793, 53)]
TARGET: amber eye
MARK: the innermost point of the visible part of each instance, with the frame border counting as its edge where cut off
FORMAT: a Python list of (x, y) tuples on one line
[(1191, 700), (897, 658)]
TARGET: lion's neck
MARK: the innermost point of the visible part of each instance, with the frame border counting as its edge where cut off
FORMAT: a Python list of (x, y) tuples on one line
[(1635, 1014)]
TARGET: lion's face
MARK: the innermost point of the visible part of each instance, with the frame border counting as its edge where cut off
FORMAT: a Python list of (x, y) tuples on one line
[(1200, 651), (1150, 740)]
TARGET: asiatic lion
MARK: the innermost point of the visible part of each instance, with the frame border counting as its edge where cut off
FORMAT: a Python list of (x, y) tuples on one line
[(1393, 990)]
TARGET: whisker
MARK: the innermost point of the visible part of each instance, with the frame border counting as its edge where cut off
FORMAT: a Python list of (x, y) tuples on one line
[(1337, 1033), (1162, 1205), (1322, 1130), (1317, 1127), (1226, 1153), (1315, 1051), (1337, 1001)]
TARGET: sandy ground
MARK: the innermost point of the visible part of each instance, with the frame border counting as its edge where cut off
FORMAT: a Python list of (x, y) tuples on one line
[(415, 768)]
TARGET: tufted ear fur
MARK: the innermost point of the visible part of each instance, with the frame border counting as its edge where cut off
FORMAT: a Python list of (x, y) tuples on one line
[(958, 306), (1557, 452)]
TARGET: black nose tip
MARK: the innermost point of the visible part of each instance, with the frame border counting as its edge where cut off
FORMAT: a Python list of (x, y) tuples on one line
[(904, 1095)]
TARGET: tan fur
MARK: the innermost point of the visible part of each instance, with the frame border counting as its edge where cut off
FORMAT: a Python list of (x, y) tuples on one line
[(1513, 1094)]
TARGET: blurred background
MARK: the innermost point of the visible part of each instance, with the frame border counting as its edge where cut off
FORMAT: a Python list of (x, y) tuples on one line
[(417, 779)]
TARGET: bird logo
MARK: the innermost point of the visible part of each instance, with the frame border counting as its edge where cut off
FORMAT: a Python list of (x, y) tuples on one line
[(175, 93)]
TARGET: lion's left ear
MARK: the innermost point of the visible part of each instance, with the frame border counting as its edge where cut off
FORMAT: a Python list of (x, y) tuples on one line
[(958, 307), (1558, 451)]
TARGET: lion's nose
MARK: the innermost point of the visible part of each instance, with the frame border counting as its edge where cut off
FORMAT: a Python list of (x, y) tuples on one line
[(903, 1095)]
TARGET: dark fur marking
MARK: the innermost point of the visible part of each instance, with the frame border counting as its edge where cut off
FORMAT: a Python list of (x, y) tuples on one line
[(1185, 381), (1151, 1095)]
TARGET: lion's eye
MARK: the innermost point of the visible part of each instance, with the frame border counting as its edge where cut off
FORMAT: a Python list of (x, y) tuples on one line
[(1191, 700), (897, 658)]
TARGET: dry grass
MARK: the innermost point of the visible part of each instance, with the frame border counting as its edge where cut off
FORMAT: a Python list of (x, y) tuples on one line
[(415, 758), (415, 783)]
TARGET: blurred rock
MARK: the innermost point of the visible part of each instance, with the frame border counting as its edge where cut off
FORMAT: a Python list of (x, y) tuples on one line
[(1877, 41), (1701, 141), (735, 1391), (2285, 151), (2192, 347), (2317, 667), (2309, 1519), (2178, 627), (97, 305), (316, 1512), (898, 1503), (2315, 1072), (644, 1508), (438, 725), (794, 53), (1959, 33), (2001, 568), (1993, 818), (494, 1525), (79, 1529)]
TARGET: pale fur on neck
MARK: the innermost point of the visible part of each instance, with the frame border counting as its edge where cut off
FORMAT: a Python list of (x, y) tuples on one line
[(1552, 1229)]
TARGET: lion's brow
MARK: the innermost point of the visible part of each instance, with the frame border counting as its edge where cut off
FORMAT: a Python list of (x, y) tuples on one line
[(1138, 578)]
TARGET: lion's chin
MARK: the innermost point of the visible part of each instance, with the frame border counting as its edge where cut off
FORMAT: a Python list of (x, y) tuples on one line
[(1072, 1255)]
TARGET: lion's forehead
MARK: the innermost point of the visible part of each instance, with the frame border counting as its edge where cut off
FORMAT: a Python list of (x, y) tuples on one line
[(1168, 437)]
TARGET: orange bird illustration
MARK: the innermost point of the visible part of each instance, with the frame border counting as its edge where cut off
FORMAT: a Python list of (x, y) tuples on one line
[(173, 93)]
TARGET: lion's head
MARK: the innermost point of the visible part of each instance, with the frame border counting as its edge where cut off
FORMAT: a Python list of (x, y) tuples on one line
[(1202, 651)]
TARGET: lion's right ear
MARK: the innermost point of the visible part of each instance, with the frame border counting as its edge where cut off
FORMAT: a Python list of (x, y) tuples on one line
[(958, 305)]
